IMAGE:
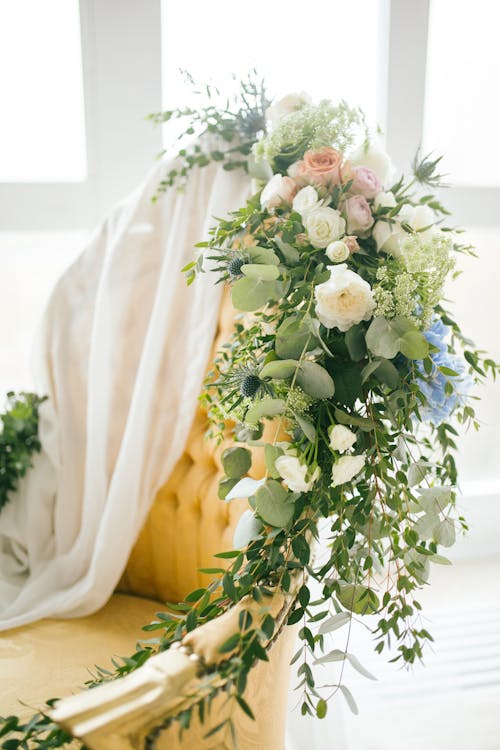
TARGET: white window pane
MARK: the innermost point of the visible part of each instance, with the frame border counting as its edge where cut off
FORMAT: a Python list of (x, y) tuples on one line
[(42, 130), (462, 103), (331, 49)]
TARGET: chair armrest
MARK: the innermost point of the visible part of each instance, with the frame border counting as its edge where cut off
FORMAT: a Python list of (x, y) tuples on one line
[(121, 713)]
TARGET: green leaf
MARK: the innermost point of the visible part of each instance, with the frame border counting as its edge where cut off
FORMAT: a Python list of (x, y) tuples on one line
[(315, 380), (354, 420), (349, 699), (290, 253), (225, 486), (251, 294), (262, 255), (267, 407), (348, 382), (236, 462), (355, 342), (414, 345), (387, 373), (279, 369), (247, 529), (246, 487), (271, 453), (274, 504), (307, 427), (335, 622), (321, 708), (244, 706), (294, 336), (381, 339), (261, 272), (358, 599), (231, 643), (417, 472)]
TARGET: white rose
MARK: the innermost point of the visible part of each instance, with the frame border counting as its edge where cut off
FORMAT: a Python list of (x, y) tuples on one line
[(294, 473), (289, 103), (419, 217), (337, 251), (306, 200), (344, 300), (384, 200), (390, 237), (341, 438), (372, 156), (346, 468), (324, 225), (278, 190)]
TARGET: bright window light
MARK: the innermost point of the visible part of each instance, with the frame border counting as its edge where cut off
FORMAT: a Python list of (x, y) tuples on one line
[(328, 49), (462, 103), (42, 129)]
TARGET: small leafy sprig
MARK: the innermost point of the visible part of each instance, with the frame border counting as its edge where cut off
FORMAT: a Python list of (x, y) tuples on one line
[(18, 440), (235, 123)]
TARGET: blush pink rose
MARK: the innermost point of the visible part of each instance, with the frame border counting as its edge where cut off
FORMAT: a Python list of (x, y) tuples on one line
[(322, 167), (278, 191), (365, 182), (352, 243), (359, 215)]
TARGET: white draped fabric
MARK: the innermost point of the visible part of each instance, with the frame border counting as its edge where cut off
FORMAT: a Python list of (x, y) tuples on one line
[(121, 353)]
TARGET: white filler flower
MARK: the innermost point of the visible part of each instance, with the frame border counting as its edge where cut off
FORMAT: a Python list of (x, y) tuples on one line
[(344, 300), (341, 438), (323, 226), (346, 468)]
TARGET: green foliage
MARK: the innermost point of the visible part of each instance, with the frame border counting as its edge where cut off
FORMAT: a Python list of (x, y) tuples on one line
[(18, 441)]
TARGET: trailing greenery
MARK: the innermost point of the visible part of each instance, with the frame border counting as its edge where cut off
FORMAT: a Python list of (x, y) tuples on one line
[(18, 441), (342, 345)]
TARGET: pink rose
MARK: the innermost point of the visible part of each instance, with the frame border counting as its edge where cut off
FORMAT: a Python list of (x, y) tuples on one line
[(365, 182), (352, 243), (321, 167), (359, 216)]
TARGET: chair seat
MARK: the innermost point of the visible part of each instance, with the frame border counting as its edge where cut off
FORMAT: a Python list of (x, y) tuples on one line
[(51, 658)]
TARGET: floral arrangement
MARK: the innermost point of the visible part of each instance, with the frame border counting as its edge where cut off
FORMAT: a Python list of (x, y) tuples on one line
[(343, 347)]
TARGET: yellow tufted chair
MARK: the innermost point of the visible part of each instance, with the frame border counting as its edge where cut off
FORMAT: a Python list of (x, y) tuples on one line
[(186, 526)]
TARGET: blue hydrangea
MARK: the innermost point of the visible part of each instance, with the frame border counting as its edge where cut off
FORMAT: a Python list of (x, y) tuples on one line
[(439, 404)]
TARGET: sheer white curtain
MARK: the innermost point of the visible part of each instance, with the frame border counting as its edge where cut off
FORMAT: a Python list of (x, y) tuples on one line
[(121, 353)]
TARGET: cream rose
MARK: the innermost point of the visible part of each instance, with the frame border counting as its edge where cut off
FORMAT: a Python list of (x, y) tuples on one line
[(344, 300), (384, 200), (294, 473), (346, 468), (286, 105), (375, 158), (359, 215), (337, 251), (279, 190), (341, 438), (324, 225), (306, 200)]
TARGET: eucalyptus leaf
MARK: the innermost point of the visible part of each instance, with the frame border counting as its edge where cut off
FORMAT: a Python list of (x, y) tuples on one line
[(236, 461), (354, 420), (267, 407), (271, 453), (294, 336), (290, 253), (251, 294), (445, 533), (260, 271), (381, 339), (225, 487), (348, 382), (274, 504), (387, 373), (358, 599), (262, 255), (279, 369), (414, 345), (315, 380), (335, 622), (247, 529), (246, 487), (355, 342), (417, 473), (349, 699), (307, 427)]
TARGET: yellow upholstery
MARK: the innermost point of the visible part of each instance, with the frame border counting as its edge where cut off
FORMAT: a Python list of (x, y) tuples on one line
[(187, 524)]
